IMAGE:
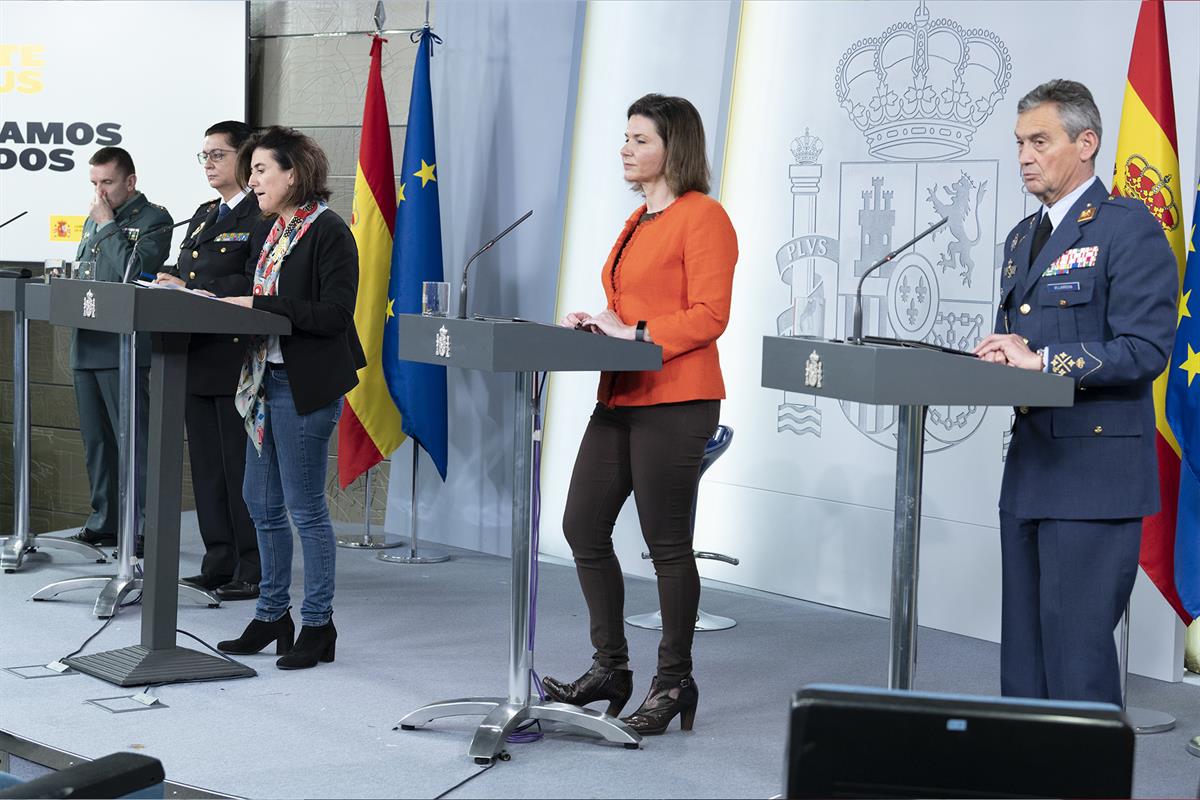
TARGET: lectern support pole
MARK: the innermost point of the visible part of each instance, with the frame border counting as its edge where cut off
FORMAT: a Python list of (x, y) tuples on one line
[(504, 715), (906, 546), (158, 659)]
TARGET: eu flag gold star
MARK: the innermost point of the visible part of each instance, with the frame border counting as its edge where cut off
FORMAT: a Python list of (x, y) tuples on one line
[(1183, 309), (1191, 365), (425, 173), (400, 192), (390, 311)]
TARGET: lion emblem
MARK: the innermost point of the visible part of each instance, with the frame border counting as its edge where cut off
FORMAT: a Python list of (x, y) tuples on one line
[(958, 254)]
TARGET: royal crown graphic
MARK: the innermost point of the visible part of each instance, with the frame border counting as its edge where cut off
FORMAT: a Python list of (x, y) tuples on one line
[(921, 89)]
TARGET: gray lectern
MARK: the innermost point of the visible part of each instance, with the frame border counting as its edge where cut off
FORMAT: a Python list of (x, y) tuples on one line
[(171, 316), (524, 348), (912, 378), (14, 547)]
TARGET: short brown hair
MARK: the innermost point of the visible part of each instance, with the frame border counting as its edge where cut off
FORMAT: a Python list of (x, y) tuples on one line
[(114, 155), (292, 150), (679, 125)]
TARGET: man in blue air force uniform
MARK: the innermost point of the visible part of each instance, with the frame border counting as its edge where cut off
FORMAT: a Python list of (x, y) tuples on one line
[(118, 218), (1088, 290)]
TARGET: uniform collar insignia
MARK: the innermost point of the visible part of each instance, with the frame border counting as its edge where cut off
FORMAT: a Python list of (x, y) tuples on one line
[(1087, 215)]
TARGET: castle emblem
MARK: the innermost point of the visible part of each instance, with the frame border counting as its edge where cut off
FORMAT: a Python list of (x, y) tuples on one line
[(813, 371), (441, 343), (89, 305)]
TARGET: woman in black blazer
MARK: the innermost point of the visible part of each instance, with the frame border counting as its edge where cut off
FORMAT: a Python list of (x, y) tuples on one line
[(291, 387), (213, 258)]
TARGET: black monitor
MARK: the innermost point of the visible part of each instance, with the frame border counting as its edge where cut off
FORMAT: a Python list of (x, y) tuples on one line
[(851, 741)]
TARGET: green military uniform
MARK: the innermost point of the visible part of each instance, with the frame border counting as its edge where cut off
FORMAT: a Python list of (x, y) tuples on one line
[(95, 356)]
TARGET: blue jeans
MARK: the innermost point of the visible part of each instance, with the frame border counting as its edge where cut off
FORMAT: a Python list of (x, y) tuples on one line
[(289, 477)]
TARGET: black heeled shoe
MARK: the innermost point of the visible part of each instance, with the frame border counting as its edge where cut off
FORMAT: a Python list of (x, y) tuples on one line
[(259, 634), (315, 643), (662, 704), (598, 683)]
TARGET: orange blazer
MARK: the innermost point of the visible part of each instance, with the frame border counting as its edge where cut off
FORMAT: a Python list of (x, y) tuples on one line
[(676, 272)]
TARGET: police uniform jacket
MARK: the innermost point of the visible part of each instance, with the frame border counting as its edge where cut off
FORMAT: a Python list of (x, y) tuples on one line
[(110, 246), (213, 257), (316, 290), (1100, 297)]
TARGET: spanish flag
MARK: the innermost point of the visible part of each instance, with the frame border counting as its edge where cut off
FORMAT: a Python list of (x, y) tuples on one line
[(370, 427), (1147, 169)]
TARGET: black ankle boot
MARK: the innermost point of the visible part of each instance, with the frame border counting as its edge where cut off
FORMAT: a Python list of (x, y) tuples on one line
[(662, 704), (259, 634), (598, 683), (315, 643)]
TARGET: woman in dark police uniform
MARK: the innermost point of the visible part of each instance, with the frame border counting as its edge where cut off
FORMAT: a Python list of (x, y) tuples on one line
[(213, 258)]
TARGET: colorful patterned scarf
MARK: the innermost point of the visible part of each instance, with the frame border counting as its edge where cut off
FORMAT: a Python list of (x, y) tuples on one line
[(251, 396)]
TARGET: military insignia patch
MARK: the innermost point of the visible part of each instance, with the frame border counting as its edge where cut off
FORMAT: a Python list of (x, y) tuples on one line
[(1010, 269), (1075, 258), (233, 237), (1087, 215), (131, 233)]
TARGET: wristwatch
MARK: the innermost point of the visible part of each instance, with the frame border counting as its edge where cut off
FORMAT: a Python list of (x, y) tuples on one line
[(639, 335)]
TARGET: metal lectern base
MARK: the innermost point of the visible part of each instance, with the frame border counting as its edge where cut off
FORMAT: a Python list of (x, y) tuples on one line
[(502, 718), (1145, 720), (704, 621), (138, 665), (1193, 746), (373, 541), (425, 555), (113, 589), (12, 553)]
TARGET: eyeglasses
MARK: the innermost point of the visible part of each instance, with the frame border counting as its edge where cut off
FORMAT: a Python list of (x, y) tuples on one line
[(215, 156)]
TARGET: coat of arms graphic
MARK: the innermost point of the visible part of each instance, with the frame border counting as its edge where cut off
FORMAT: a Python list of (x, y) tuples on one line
[(917, 93)]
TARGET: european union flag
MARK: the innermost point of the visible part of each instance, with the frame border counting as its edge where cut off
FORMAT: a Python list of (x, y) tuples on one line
[(419, 390), (1183, 414)]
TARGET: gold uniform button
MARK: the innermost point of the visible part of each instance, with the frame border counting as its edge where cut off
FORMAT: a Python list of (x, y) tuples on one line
[(195, 254), (1025, 309), (1062, 303), (235, 339), (192, 276), (223, 250), (1098, 430), (1024, 409)]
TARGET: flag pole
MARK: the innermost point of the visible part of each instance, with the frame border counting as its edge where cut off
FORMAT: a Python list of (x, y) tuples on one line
[(368, 540), (432, 555), (1142, 720)]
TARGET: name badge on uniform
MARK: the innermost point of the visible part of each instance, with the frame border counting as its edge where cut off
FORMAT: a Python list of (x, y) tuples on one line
[(1075, 258), (131, 233), (232, 237), (1073, 286)]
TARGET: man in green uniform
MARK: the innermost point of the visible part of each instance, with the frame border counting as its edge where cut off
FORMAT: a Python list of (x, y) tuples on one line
[(114, 231)]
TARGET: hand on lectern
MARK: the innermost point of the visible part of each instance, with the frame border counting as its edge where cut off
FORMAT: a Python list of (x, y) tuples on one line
[(1010, 349), (609, 324)]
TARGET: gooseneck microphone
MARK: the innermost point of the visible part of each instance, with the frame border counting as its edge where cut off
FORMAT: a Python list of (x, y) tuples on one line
[(13, 219), (462, 292), (856, 338), (157, 229)]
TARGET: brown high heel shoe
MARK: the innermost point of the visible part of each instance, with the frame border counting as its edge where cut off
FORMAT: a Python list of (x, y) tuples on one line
[(598, 683)]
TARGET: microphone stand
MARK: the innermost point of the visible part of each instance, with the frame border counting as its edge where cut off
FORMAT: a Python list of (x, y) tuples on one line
[(857, 337), (462, 292)]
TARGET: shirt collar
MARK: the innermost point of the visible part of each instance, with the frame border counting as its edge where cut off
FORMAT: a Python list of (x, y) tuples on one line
[(237, 198), (1058, 211)]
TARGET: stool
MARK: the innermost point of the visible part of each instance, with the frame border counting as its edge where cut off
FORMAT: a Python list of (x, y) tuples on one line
[(715, 448)]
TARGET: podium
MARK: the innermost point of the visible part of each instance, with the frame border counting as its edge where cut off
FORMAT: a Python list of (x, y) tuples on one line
[(170, 316), (911, 378), (524, 348), (21, 541)]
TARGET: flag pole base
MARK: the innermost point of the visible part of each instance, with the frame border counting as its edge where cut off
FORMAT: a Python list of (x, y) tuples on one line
[(426, 555), (1146, 720), (371, 541)]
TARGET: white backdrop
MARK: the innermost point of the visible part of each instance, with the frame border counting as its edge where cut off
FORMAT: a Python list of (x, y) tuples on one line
[(804, 496), (76, 76)]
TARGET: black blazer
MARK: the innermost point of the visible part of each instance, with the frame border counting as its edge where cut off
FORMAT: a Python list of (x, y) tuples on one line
[(213, 257), (318, 285)]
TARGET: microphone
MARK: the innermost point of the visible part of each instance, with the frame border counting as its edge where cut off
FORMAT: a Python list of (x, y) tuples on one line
[(144, 235), (857, 338), (13, 219), (462, 292)]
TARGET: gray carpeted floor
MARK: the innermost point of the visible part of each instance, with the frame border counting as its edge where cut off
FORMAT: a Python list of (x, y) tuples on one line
[(411, 635)]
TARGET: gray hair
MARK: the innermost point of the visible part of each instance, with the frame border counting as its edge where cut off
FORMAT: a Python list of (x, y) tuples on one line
[(1076, 109)]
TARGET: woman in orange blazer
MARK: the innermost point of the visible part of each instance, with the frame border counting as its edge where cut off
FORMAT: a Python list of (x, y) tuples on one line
[(668, 280)]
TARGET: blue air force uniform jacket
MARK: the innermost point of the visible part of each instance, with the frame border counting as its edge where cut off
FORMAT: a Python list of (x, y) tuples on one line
[(1101, 298)]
